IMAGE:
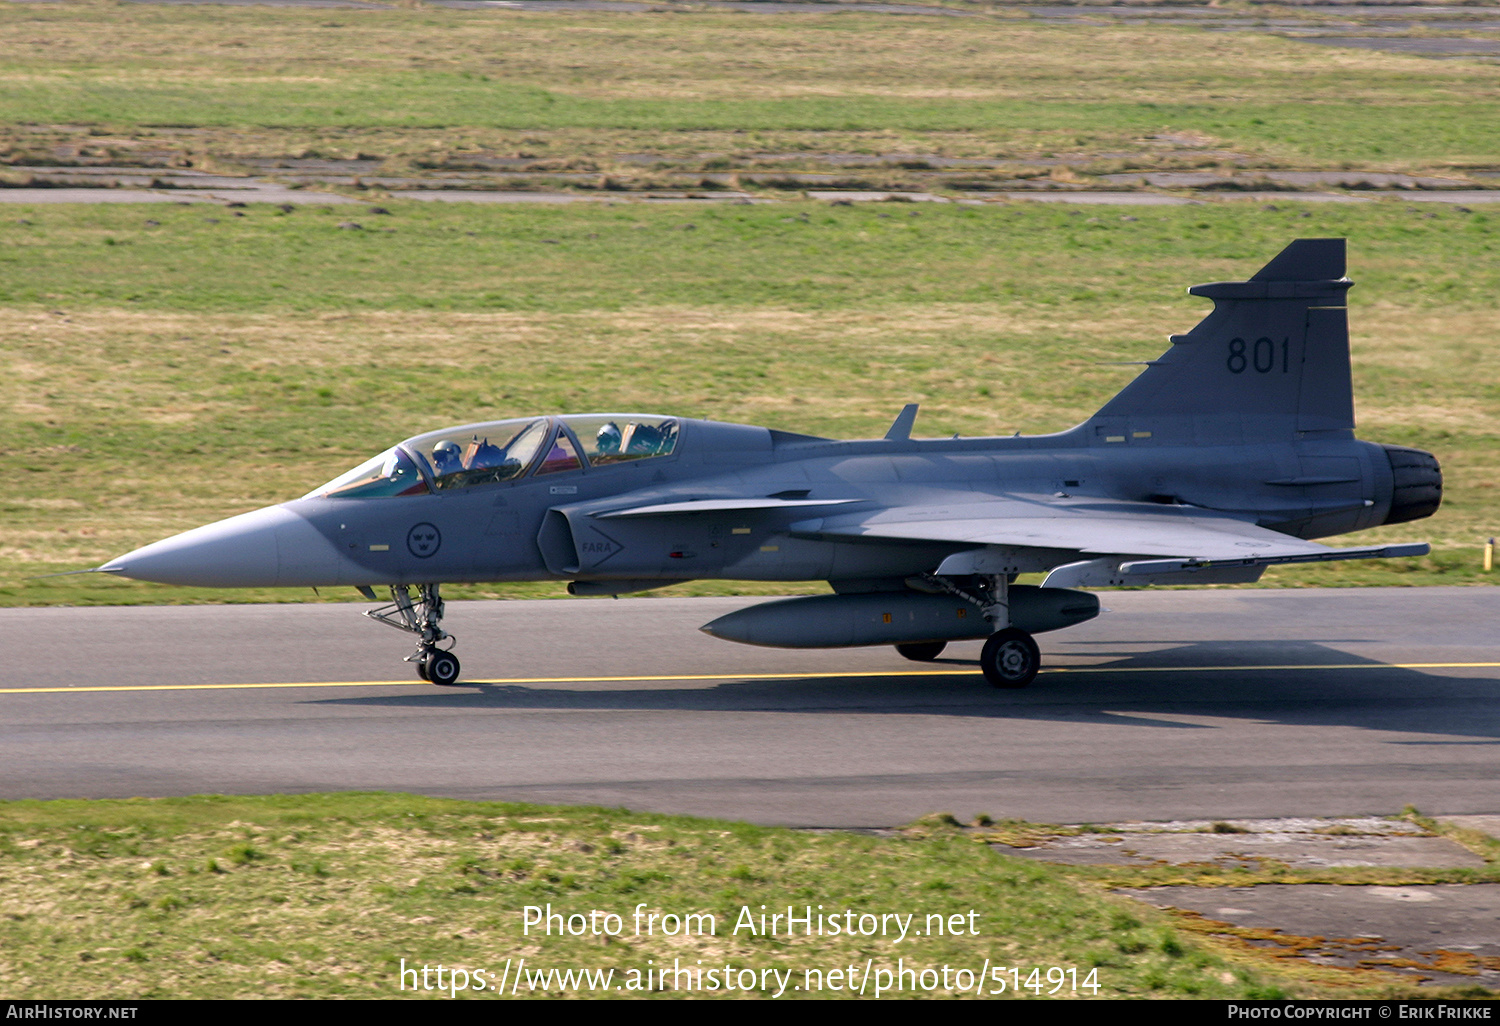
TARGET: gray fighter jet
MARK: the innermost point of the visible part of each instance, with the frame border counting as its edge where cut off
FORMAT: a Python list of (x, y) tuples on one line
[(1225, 455)]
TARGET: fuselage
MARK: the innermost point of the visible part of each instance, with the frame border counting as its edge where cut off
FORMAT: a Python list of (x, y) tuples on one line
[(540, 522)]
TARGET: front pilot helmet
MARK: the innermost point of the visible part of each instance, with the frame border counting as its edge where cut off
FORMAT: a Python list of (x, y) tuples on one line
[(447, 457)]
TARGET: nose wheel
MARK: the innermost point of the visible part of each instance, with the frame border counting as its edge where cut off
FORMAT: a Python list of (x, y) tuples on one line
[(439, 667), (421, 617)]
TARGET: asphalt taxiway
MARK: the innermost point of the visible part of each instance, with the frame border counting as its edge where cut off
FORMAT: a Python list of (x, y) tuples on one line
[(1170, 705)]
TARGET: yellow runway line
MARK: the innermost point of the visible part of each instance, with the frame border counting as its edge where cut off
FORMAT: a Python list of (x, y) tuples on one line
[(746, 676), (1310, 666)]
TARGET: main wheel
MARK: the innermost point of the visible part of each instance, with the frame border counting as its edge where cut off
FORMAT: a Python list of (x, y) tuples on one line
[(422, 667), (441, 668), (1010, 658), (922, 651)]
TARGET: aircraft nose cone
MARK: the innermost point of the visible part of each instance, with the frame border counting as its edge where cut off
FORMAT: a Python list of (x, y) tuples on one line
[(241, 552)]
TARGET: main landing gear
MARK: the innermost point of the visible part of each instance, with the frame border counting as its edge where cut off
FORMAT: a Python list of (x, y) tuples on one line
[(1010, 658), (421, 617)]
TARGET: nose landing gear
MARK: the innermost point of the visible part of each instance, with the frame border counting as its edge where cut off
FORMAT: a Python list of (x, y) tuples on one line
[(421, 617)]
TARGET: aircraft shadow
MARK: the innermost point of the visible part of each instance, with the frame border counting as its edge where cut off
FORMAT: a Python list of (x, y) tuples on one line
[(1290, 683)]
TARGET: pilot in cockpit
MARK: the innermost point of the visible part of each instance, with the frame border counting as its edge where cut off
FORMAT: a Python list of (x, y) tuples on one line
[(607, 441), (447, 458)]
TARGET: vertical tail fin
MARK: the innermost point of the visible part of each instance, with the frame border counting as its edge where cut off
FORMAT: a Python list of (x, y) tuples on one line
[(1271, 362)]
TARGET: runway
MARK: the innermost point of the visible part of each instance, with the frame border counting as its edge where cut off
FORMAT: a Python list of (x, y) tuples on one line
[(1171, 705)]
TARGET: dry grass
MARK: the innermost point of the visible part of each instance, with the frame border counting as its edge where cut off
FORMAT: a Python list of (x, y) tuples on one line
[(323, 895), (713, 56), (428, 84)]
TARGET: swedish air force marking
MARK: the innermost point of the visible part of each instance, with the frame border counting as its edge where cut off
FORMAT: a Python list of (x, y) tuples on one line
[(423, 540)]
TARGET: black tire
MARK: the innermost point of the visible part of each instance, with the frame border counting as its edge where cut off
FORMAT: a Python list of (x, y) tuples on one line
[(442, 668), (422, 666), (922, 651), (1010, 658)]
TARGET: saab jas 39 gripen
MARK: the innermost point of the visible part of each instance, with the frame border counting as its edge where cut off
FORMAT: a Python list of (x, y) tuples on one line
[(1227, 454)]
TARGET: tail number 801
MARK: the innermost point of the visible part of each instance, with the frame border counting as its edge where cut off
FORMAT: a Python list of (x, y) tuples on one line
[(1262, 356)]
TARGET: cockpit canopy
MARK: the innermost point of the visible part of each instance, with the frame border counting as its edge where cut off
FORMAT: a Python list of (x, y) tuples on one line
[(505, 450)]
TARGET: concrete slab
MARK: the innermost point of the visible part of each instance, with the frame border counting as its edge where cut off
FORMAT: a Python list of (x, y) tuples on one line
[(1446, 934), (1302, 197), (246, 195), (1250, 849), (249, 190), (1447, 196), (488, 196), (297, 197), (1484, 824), (92, 196), (507, 196), (1241, 176), (875, 197), (1126, 199)]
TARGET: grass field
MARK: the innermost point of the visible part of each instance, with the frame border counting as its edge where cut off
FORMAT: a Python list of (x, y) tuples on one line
[(325, 895), (166, 366), (580, 89)]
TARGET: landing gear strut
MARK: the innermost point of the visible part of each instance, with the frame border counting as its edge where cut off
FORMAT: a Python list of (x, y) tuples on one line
[(1010, 658), (421, 617)]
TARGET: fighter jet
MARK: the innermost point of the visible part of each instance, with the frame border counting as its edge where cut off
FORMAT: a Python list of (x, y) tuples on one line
[(1227, 454)]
